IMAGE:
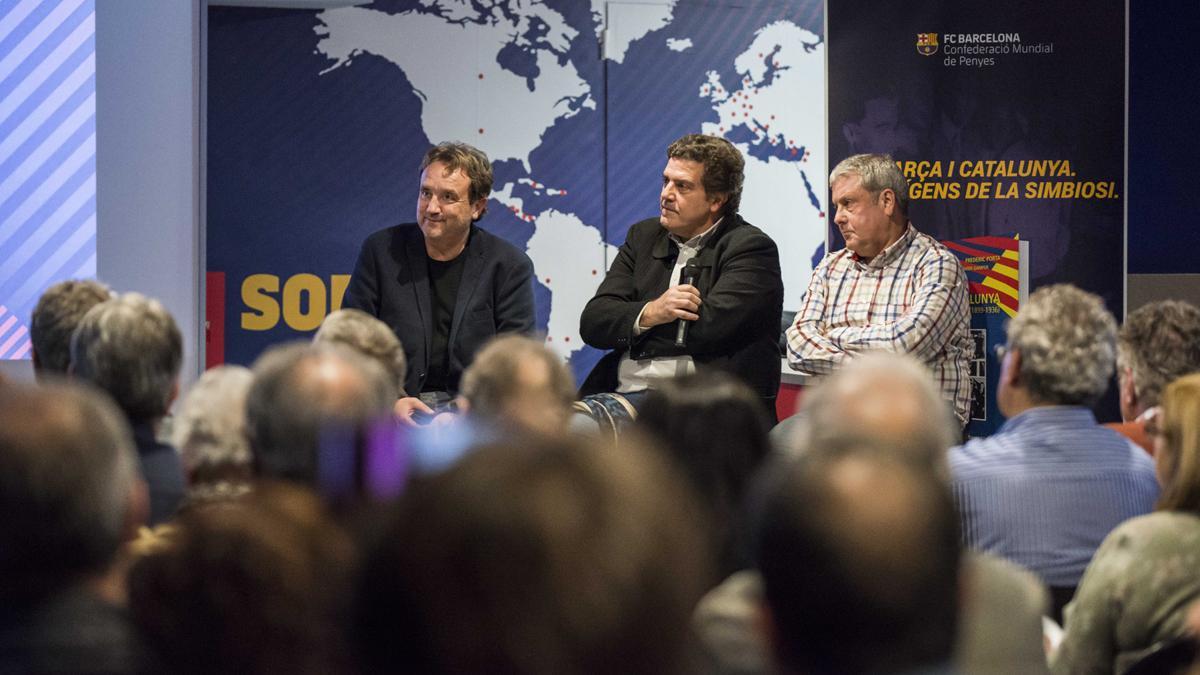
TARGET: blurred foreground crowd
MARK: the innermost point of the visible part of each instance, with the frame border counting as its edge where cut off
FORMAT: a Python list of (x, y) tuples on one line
[(282, 521)]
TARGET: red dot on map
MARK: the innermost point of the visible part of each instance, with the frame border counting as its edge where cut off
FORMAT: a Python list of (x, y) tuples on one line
[(549, 339), (821, 214), (481, 76), (793, 152), (481, 130), (547, 279), (772, 117), (760, 55), (567, 339)]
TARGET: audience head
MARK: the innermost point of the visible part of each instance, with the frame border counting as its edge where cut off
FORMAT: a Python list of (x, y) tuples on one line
[(54, 319), (130, 347), (210, 432), (859, 553), (303, 393), (886, 396), (368, 336), (1061, 350), (713, 427), (516, 383), (257, 584), (1177, 445), (554, 557), (724, 166), (69, 488), (1157, 344)]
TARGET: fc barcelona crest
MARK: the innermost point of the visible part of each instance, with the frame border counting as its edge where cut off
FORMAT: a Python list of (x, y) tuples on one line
[(927, 43)]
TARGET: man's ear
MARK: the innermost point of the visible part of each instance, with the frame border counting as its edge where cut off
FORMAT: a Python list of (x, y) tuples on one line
[(1010, 368), (478, 208), (1126, 389), (887, 201), (717, 202)]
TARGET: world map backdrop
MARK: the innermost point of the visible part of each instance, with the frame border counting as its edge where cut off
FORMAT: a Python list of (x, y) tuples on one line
[(316, 123)]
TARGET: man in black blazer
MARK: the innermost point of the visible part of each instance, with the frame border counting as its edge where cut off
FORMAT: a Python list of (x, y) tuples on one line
[(444, 285), (733, 306)]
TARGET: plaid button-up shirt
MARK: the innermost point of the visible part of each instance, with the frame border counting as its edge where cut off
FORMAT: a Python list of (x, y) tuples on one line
[(911, 298)]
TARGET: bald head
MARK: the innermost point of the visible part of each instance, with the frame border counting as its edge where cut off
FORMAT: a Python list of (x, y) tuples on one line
[(516, 383), (884, 397), (302, 391)]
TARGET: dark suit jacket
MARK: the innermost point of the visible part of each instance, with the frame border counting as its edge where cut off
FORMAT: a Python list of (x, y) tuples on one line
[(162, 469), (70, 631), (391, 282), (741, 294)]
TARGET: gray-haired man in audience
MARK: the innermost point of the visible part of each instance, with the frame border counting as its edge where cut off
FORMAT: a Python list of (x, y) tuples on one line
[(130, 347), (1158, 343), (368, 336), (1051, 483)]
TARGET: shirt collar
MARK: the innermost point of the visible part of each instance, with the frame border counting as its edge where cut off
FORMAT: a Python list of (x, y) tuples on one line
[(889, 255), (698, 241), (1055, 415)]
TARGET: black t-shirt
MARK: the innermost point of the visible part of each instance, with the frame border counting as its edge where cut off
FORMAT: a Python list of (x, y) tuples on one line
[(444, 279)]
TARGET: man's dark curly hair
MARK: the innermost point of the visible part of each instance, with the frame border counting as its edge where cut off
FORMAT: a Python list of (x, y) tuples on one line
[(724, 168)]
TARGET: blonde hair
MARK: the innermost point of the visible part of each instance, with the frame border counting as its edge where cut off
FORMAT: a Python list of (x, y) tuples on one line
[(1181, 430)]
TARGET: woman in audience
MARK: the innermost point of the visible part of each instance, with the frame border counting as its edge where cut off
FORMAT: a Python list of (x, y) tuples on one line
[(210, 432), (1134, 597), (713, 428)]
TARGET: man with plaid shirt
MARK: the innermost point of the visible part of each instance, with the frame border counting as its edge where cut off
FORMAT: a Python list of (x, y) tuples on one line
[(892, 288)]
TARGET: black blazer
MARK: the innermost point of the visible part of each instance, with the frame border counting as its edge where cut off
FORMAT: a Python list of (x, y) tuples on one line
[(742, 299), (391, 282)]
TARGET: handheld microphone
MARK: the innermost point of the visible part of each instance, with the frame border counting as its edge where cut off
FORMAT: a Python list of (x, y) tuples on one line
[(689, 274)]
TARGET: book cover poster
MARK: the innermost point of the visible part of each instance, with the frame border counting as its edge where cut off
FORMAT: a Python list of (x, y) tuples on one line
[(996, 287)]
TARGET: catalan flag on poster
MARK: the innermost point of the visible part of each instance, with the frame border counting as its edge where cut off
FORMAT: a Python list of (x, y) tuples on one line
[(997, 269)]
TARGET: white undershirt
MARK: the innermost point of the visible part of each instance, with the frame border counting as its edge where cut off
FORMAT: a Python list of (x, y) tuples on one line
[(639, 375)]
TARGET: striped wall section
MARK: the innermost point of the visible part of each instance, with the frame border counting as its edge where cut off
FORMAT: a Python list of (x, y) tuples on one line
[(47, 155)]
